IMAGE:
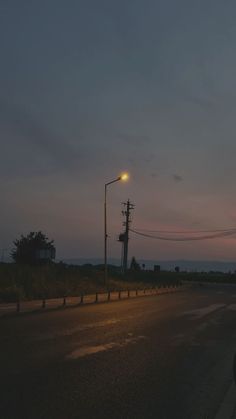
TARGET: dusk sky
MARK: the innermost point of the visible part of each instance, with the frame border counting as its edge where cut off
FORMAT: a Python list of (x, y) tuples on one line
[(92, 88)]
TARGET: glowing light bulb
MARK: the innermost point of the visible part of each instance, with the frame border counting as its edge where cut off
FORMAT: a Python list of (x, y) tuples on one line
[(124, 177)]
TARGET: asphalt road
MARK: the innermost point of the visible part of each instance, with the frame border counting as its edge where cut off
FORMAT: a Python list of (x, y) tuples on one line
[(163, 357)]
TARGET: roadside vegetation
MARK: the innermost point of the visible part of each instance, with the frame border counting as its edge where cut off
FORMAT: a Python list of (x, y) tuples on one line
[(54, 280), (34, 275), (26, 282)]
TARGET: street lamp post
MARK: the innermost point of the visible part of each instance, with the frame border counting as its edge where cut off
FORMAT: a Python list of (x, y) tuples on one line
[(122, 177)]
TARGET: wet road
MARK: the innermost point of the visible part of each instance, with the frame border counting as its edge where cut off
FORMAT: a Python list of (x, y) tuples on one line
[(167, 356)]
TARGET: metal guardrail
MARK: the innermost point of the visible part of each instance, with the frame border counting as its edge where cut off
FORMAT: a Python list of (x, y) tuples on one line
[(82, 299)]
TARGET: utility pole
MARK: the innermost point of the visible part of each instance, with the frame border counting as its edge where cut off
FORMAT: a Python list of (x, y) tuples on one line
[(125, 236)]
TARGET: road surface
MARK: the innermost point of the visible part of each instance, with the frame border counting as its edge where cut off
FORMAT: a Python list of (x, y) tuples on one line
[(167, 356)]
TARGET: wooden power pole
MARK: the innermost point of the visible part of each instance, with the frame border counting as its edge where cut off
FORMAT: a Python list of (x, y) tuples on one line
[(124, 237)]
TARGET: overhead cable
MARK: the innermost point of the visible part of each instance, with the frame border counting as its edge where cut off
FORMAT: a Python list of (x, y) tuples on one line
[(220, 230), (220, 234)]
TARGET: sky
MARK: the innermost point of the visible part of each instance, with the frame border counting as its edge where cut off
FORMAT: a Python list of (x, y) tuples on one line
[(93, 88)]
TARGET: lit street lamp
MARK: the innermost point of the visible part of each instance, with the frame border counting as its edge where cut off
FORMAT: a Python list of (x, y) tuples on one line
[(123, 177)]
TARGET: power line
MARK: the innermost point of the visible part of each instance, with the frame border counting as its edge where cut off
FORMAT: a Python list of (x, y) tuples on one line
[(221, 234), (189, 232)]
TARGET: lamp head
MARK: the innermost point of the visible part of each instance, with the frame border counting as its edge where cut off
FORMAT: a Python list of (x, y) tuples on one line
[(124, 177)]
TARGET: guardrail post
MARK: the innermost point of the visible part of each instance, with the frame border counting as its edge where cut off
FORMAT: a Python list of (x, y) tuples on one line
[(96, 297), (144, 291), (119, 296), (18, 306), (81, 299), (108, 296), (136, 293), (64, 301), (43, 303)]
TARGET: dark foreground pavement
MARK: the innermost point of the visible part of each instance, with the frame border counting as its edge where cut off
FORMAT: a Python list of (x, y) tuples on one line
[(163, 357)]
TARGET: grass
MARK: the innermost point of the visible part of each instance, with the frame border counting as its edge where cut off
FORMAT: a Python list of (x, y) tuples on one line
[(58, 280)]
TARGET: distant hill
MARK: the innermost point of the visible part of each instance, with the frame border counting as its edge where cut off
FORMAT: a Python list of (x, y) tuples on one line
[(185, 265)]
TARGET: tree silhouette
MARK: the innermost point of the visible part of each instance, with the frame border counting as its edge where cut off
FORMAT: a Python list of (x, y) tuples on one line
[(33, 249), (134, 266)]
